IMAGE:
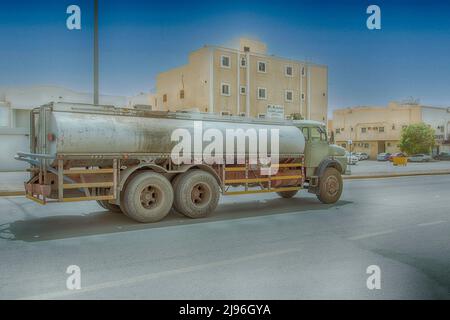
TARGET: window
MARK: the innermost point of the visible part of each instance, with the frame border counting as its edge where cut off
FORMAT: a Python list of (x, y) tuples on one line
[(363, 130), (243, 62), (225, 61), (393, 127), (288, 71), (288, 96), (262, 67), (338, 130), (246, 49), (4, 116), (261, 115), (317, 134), (303, 96), (305, 132), (225, 113), (181, 94), (366, 145), (243, 90), (261, 93), (164, 97), (225, 89), (381, 129), (303, 71)]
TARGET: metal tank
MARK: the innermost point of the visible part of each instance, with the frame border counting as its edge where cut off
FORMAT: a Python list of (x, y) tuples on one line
[(89, 129)]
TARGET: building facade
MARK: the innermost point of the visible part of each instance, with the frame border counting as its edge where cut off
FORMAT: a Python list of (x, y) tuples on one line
[(375, 130), (245, 81)]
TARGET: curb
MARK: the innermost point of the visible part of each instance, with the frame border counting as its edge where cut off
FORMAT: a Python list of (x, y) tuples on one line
[(394, 175), (11, 193)]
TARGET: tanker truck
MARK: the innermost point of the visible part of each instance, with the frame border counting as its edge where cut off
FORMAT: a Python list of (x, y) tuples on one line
[(124, 159)]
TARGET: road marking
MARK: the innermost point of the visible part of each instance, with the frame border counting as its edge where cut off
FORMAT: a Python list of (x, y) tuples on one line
[(369, 235), (155, 275), (430, 223)]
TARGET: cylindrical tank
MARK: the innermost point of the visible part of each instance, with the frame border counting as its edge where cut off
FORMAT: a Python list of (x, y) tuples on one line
[(84, 132)]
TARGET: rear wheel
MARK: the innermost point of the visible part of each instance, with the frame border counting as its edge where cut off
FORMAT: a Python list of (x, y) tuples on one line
[(330, 186), (109, 206), (197, 193), (148, 197), (287, 194)]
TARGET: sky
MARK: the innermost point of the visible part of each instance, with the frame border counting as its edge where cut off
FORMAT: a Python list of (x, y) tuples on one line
[(408, 57)]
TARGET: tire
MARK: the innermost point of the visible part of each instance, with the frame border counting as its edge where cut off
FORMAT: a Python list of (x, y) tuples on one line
[(148, 197), (109, 206), (330, 186), (197, 193), (287, 194)]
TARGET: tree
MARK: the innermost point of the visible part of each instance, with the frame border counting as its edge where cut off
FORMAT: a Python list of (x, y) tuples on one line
[(417, 138), (296, 116)]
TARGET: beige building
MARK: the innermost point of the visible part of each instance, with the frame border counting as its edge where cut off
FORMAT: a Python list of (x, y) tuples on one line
[(245, 81), (378, 129)]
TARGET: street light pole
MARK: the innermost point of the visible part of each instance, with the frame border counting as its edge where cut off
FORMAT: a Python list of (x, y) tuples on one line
[(96, 52)]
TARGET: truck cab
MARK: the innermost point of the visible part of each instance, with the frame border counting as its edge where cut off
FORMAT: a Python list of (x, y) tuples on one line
[(324, 162)]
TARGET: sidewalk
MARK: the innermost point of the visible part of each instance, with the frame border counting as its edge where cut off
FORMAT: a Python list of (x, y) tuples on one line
[(383, 169), (11, 183)]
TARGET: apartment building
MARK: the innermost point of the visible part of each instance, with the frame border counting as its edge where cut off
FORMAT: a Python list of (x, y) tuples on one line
[(378, 129), (245, 81)]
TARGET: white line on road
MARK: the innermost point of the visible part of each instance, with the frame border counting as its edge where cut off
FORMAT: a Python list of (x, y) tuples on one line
[(155, 275), (430, 223), (369, 235)]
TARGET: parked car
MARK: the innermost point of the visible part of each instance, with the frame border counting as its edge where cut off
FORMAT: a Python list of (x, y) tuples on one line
[(443, 156), (363, 156), (397, 154), (351, 158), (383, 156), (421, 157)]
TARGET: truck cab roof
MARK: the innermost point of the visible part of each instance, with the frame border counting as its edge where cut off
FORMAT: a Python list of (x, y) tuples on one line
[(308, 123)]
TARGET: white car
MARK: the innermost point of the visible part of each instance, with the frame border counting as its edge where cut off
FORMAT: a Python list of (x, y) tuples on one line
[(351, 158), (363, 156), (419, 158)]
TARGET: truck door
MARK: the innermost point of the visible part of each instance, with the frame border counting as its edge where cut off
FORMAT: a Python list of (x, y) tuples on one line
[(316, 148)]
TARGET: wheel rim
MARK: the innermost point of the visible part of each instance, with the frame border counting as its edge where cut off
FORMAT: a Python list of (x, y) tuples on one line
[(200, 194), (332, 185), (150, 197)]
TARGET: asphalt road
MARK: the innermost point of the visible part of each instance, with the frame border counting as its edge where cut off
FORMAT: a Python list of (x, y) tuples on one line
[(253, 247)]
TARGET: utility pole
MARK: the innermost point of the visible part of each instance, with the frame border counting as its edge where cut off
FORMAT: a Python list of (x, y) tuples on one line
[(96, 52)]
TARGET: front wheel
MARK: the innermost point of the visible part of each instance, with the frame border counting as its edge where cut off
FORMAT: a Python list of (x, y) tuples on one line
[(330, 186)]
